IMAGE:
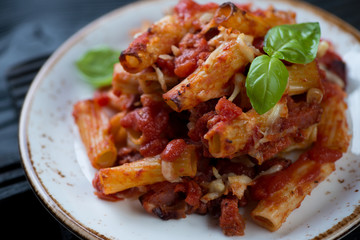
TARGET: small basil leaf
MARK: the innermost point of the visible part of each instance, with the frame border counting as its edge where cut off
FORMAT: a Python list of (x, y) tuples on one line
[(266, 82), (97, 65), (296, 43)]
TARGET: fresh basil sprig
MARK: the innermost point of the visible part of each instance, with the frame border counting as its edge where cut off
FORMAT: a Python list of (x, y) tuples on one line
[(97, 65), (268, 76), (265, 82), (297, 43)]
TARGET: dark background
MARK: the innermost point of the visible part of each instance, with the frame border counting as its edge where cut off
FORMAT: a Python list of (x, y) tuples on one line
[(33, 28)]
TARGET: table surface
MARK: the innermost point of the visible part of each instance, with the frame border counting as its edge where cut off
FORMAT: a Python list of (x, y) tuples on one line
[(33, 28)]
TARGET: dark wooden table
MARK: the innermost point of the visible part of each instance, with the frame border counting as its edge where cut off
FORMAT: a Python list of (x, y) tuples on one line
[(35, 28)]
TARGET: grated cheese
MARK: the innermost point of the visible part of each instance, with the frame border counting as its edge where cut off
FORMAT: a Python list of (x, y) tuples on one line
[(160, 78)]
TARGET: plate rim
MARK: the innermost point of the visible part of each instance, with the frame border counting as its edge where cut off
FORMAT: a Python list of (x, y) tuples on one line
[(50, 203)]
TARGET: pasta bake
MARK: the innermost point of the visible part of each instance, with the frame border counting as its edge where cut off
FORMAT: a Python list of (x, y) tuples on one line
[(186, 128)]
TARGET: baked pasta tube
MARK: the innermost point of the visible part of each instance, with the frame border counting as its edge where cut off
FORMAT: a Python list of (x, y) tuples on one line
[(229, 15), (162, 35), (124, 82), (333, 128), (303, 77), (210, 80), (260, 136), (158, 40), (94, 128), (296, 182), (147, 171)]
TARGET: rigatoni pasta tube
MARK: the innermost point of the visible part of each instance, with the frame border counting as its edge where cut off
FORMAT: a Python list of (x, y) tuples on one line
[(133, 83), (124, 82), (146, 48), (145, 171), (210, 79), (186, 164), (138, 173), (333, 130), (150, 82), (303, 77), (297, 182), (164, 34), (229, 138), (230, 16), (119, 133), (94, 129)]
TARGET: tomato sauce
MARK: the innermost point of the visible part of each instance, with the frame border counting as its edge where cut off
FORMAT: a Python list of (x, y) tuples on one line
[(332, 90), (194, 50), (102, 98), (334, 63), (266, 185), (302, 114), (167, 66), (269, 149), (173, 150), (185, 9), (152, 122), (322, 154), (201, 127), (227, 110)]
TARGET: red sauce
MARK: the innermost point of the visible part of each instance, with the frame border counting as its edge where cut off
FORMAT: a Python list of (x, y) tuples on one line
[(266, 185), (269, 149), (173, 150), (185, 9), (201, 127), (167, 66), (334, 63), (101, 98), (227, 110), (152, 122), (194, 50), (301, 114), (153, 147), (322, 154), (312, 175), (199, 118), (332, 90)]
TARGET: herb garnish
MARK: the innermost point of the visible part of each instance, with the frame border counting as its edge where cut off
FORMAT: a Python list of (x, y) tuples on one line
[(268, 76), (97, 65)]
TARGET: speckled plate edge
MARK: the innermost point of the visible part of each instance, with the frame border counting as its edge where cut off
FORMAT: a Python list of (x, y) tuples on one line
[(42, 193), (339, 230)]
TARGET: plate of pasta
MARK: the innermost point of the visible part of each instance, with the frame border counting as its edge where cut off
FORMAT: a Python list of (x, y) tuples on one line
[(220, 119)]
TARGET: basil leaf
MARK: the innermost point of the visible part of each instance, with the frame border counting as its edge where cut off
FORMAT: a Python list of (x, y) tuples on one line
[(97, 65), (266, 82), (296, 43)]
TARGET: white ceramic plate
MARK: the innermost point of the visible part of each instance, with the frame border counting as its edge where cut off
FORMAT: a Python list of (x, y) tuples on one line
[(58, 169)]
